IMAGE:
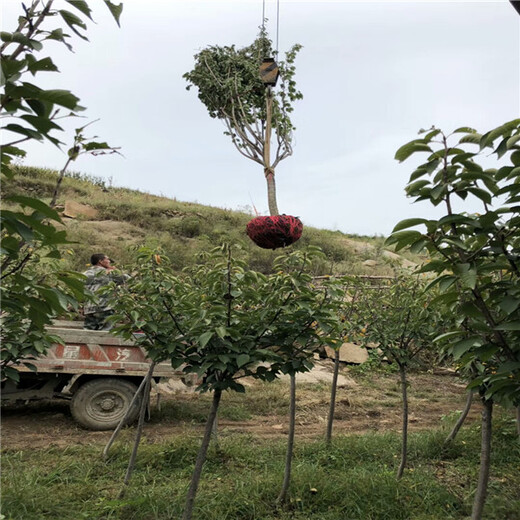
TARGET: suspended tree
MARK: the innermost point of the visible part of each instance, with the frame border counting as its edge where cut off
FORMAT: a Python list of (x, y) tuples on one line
[(238, 86)]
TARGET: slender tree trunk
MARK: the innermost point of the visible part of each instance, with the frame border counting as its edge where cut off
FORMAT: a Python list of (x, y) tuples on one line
[(268, 171), (485, 458), (122, 422), (404, 447), (282, 497), (518, 420), (271, 191), (201, 457), (333, 390), (461, 419), (138, 434), (58, 183), (214, 433)]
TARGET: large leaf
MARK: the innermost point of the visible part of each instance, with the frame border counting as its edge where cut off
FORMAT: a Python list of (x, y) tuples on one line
[(407, 223), (471, 138), (45, 64), (81, 5), (60, 97), (512, 325), (72, 21), (242, 359), (465, 130), (27, 132), (467, 274), (36, 204), (42, 124), (462, 346), (410, 148), (115, 9), (204, 339)]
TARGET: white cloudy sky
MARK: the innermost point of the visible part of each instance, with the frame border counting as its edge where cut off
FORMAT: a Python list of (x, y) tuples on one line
[(372, 74)]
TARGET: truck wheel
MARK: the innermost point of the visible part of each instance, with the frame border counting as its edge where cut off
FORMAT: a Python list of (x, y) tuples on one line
[(101, 403)]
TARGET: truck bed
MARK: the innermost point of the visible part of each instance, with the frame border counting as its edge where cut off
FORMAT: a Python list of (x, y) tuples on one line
[(95, 352)]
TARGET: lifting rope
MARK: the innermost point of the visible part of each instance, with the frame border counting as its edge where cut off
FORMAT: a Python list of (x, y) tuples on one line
[(277, 22)]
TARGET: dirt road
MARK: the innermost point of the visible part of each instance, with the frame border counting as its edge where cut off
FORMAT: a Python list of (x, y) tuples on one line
[(363, 404)]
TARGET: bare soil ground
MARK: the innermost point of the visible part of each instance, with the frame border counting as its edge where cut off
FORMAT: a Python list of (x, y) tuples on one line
[(364, 403)]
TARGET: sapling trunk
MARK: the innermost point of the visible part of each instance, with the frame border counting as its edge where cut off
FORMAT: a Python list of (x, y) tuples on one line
[(201, 457), (138, 434), (268, 170), (485, 458), (462, 418), (282, 497), (122, 422), (333, 390), (58, 183), (518, 420), (404, 447), (214, 432)]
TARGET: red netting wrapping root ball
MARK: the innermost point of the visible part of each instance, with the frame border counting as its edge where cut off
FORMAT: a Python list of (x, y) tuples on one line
[(274, 232)]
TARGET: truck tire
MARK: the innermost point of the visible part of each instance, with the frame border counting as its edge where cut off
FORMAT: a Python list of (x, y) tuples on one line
[(101, 403)]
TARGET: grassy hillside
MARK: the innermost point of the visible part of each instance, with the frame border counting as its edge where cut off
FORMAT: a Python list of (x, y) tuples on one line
[(128, 218)]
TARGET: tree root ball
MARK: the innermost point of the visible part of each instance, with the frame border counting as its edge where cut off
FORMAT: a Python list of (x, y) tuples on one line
[(274, 232)]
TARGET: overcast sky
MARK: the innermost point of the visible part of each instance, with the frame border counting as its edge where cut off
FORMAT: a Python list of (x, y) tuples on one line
[(372, 74)]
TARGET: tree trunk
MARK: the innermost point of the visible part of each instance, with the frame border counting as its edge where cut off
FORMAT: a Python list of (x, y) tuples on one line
[(485, 457), (518, 420), (201, 457), (461, 420), (404, 447), (129, 411), (282, 497), (214, 433), (271, 191), (58, 183), (268, 171), (332, 407), (139, 432)]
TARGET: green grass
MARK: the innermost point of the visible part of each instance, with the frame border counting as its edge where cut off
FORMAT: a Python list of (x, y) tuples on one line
[(353, 479)]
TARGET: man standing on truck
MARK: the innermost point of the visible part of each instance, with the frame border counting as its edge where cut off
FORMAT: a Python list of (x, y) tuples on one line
[(100, 274)]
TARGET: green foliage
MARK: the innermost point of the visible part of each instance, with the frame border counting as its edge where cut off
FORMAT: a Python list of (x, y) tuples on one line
[(475, 256), (34, 289), (31, 112), (398, 319), (229, 84), (223, 321)]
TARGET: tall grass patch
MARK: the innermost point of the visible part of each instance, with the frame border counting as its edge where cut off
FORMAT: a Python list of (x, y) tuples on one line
[(352, 479)]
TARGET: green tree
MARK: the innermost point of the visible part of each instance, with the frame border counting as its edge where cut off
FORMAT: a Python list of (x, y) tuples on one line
[(225, 322), (475, 257), (34, 289), (229, 84), (351, 320), (399, 321)]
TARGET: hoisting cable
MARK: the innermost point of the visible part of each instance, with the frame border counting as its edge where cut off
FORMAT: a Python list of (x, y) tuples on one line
[(277, 22)]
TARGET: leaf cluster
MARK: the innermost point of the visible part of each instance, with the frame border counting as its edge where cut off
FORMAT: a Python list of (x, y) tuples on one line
[(397, 317), (475, 256), (229, 85), (34, 289), (30, 111), (224, 321)]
